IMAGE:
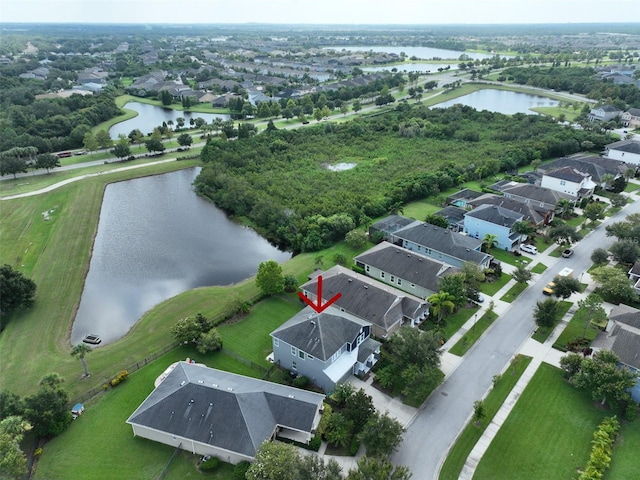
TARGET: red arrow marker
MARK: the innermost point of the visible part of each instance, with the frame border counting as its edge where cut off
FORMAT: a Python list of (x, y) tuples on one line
[(319, 307)]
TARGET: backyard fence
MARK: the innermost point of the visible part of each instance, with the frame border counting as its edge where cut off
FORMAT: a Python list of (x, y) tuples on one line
[(164, 471)]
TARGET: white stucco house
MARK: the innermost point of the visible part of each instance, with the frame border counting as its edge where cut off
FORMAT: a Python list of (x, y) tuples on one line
[(569, 180), (627, 151)]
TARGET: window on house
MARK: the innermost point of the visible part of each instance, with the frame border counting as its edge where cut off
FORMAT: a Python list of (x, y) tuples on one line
[(399, 282), (301, 354), (381, 274), (276, 342), (562, 182), (309, 357), (294, 351), (294, 366), (393, 279), (428, 251), (413, 285), (367, 268)]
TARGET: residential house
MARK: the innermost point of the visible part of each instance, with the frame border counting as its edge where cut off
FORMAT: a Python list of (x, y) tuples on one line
[(326, 347), (211, 412), (604, 113), (389, 225), (441, 244), (622, 337), (544, 200), (462, 198), (528, 212), (385, 307), (593, 165), (631, 118), (569, 180), (405, 270), (454, 216), (493, 220), (634, 276), (627, 151)]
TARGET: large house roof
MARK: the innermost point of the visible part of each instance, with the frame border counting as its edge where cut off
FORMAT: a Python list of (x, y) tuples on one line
[(496, 215), (320, 334), (367, 299), (406, 265), (595, 166), (567, 173), (225, 410), (535, 193), (527, 210), (628, 146), (454, 215), (444, 240), (626, 345), (392, 223), (608, 108)]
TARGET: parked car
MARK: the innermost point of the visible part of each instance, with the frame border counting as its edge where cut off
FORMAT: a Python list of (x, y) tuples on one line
[(529, 248), (567, 252)]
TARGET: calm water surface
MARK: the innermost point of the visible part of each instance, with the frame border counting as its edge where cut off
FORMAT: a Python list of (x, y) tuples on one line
[(502, 101), (423, 53), (156, 238), (413, 67), (152, 116)]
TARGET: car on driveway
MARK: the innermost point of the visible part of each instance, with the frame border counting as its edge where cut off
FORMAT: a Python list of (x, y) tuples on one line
[(532, 249), (567, 252)]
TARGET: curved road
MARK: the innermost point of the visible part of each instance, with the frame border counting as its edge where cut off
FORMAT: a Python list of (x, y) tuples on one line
[(446, 412)]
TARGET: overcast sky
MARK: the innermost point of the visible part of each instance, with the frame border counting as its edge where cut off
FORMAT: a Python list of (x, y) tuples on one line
[(321, 11)]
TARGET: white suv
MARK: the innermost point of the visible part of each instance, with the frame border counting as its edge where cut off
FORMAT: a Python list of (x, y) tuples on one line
[(529, 248)]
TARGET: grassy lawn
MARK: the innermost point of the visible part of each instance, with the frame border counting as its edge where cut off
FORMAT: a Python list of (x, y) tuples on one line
[(420, 209), (510, 258), (631, 187), (542, 244), (557, 252), (106, 443), (491, 288), (555, 112), (249, 337), (624, 463), (575, 221), (575, 329), (513, 292), (538, 268), (472, 335), (547, 435), (457, 456), (453, 322), (542, 333)]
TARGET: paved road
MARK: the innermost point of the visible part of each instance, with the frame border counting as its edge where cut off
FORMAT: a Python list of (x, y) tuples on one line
[(448, 409)]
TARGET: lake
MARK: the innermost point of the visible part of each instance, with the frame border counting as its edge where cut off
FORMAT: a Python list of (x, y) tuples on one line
[(502, 101), (422, 53), (156, 238), (152, 116), (413, 67)]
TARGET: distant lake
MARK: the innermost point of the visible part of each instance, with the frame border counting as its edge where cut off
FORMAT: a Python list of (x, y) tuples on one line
[(152, 116), (501, 101), (422, 53), (156, 238), (412, 67)]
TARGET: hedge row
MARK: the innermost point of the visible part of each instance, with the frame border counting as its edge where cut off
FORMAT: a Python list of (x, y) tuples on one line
[(602, 444)]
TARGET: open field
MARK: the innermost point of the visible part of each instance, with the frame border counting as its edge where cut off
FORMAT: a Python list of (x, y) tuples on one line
[(547, 435)]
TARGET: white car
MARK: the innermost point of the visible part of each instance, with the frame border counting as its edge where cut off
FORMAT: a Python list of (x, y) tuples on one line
[(529, 249)]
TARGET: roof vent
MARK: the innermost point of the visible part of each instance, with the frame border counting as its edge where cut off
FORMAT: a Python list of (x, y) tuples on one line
[(200, 381), (419, 259), (350, 280), (468, 249), (182, 382), (214, 384), (230, 389), (366, 286), (312, 322), (291, 396)]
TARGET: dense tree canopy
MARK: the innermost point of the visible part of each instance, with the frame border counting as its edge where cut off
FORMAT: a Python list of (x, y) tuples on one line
[(16, 290)]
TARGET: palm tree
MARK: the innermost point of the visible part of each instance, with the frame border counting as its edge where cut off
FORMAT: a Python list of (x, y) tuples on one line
[(565, 207), (629, 173), (490, 240), (441, 304), (80, 351), (396, 208), (524, 229), (606, 180)]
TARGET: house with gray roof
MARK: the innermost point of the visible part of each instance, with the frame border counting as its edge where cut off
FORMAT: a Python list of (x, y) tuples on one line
[(604, 113), (631, 118), (529, 214), (211, 412), (593, 165), (441, 244), (622, 337), (541, 198), (634, 276), (326, 347), (627, 151), (384, 307), (570, 181), (389, 225), (493, 220), (454, 216), (403, 269)]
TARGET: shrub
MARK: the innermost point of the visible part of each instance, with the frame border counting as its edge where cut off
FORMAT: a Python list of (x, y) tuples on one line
[(210, 465), (240, 470), (354, 446), (37, 452), (315, 443), (121, 377), (301, 381), (600, 457)]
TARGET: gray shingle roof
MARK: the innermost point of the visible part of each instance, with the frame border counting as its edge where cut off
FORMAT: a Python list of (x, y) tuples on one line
[(631, 319), (567, 173), (453, 214), (406, 265), (223, 409), (392, 223), (320, 334), (525, 209), (445, 241), (627, 346), (367, 299), (629, 146), (597, 167), (535, 193), (496, 215)]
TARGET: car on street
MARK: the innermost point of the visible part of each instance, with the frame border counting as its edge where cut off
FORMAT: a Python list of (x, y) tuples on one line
[(532, 249), (567, 252)]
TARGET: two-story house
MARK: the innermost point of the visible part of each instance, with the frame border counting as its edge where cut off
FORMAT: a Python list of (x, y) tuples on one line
[(631, 118), (493, 220), (385, 307), (594, 165), (405, 270), (441, 244), (543, 200), (326, 347), (569, 180), (627, 151), (529, 214), (634, 276), (604, 113)]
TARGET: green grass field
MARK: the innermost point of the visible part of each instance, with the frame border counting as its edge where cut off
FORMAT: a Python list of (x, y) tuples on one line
[(510, 258), (547, 435), (457, 456), (513, 292), (99, 444), (453, 322), (538, 268), (473, 334), (576, 329), (542, 333), (491, 288)]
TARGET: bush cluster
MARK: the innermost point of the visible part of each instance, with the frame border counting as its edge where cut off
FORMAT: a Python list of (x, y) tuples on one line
[(210, 464), (121, 377), (602, 443)]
